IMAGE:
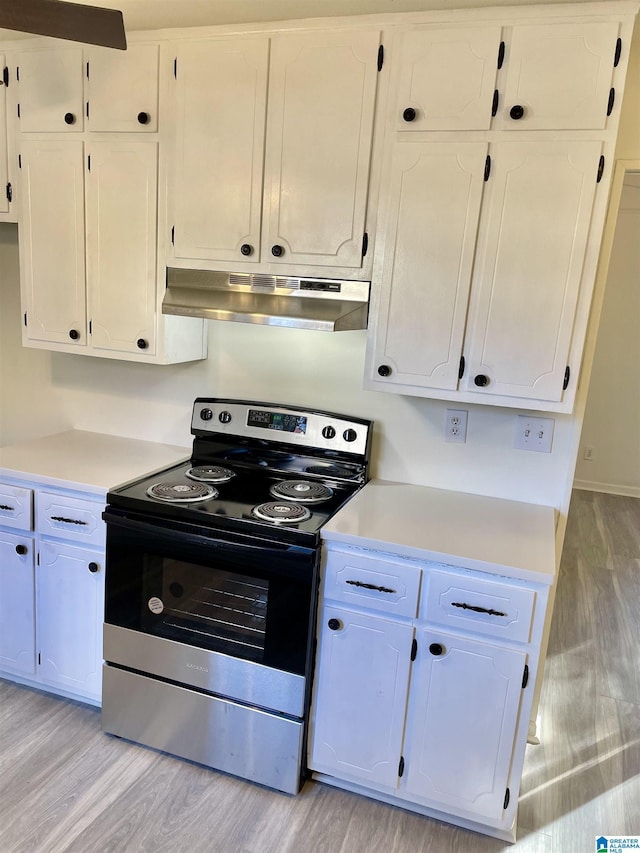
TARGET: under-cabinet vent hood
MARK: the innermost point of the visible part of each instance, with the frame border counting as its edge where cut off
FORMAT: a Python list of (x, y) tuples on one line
[(300, 303)]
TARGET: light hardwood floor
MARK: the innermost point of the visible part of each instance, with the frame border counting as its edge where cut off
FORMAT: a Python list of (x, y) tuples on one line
[(67, 788)]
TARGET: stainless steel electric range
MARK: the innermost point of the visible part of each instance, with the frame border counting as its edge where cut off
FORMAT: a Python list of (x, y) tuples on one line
[(211, 587)]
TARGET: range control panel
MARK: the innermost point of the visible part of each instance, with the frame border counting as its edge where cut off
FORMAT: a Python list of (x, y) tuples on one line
[(269, 422)]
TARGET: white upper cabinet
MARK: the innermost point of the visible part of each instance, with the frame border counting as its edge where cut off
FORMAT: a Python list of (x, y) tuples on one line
[(535, 224), (428, 258), (121, 246), (4, 165), (50, 95), (446, 78), (557, 76), (51, 242), (300, 198), (220, 125), (122, 88), (320, 123)]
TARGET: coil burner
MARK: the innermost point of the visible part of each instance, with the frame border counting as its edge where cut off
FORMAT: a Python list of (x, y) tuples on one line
[(281, 512), (210, 474), (182, 492), (302, 491)]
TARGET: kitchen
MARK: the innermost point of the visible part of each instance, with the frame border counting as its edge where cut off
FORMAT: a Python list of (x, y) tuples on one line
[(62, 391)]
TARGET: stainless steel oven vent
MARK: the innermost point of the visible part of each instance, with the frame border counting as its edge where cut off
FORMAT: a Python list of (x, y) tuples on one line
[(302, 303)]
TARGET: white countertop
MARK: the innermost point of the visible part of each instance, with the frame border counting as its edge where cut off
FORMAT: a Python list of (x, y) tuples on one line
[(90, 461), (503, 537)]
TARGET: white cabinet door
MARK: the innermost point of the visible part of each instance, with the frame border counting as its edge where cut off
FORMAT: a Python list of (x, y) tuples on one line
[(70, 602), (446, 78), (360, 695), (221, 108), (50, 90), (51, 238), (559, 75), (535, 222), (432, 203), (121, 245), (463, 711), (321, 104), (17, 631), (4, 165), (122, 88)]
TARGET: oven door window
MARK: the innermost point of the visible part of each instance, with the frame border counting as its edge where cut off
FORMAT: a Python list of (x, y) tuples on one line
[(249, 603)]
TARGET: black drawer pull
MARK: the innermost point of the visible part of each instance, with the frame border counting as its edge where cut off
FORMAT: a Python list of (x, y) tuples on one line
[(68, 520), (7, 507), (466, 606), (372, 586)]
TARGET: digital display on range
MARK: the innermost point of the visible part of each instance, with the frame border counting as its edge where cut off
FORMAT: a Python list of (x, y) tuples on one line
[(277, 421)]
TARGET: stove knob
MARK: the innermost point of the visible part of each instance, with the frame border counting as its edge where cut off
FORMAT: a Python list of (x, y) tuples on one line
[(224, 417), (206, 414), (349, 435), (328, 432)]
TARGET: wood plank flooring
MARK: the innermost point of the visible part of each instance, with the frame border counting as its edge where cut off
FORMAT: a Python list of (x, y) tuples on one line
[(67, 788)]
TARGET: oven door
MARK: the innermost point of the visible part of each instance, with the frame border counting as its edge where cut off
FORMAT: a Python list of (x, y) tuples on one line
[(225, 613)]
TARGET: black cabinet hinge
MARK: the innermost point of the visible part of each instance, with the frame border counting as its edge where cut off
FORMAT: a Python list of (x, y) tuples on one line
[(414, 649), (25, 318), (616, 56), (87, 110), (89, 162), (461, 367), (380, 57), (17, 73), (507, 797), (487, 167), (87, 70), (9, 192), (600, 169), (612, 100), (18, 111), (39, 659), (175, 67), (19, 161), (365, 243), (90, 327), (5, 75), (501, 54), (401, 766), (494, 105), (525, 676), (173, 235), (567, 374)]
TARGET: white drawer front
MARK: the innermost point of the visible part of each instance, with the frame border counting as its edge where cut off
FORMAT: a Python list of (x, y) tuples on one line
[(378, 584), (16, 507), (70, 518), (474, 604)]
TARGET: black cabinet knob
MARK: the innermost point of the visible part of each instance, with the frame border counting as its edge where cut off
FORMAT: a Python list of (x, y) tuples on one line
[(277, 251), (93, 568), (74, 334), (246, 249), (436, 649), (349, 435), (409, 114), (481, 380), (144, 118), (516, 112), (206, 414), (224, 417), (69, 118), (334, 624), (141, 343), (328, 432), (21, 549), (384, 370)]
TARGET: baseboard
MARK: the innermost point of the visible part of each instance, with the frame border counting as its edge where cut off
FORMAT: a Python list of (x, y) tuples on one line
[(607, 488)]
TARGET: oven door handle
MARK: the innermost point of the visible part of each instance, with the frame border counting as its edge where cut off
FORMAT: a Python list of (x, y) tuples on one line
[(149, 528)]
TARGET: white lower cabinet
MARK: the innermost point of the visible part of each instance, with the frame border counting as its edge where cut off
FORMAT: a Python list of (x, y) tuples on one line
[(52, 589), (426, 706)]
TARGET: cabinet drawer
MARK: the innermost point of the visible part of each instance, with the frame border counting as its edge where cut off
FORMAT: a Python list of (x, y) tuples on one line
[(16, 507), (496, 608), (70, 518), (378, 584)]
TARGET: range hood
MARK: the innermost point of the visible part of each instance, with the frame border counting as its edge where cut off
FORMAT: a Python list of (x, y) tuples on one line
[(300, 303)]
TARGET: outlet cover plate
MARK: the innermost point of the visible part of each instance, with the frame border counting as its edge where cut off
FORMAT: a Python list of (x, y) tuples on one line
[(455, 425), (534, 434)]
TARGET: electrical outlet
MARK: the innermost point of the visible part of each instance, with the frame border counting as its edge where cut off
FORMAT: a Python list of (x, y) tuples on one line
[(589, 453), (455, 425), (534, 434)]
